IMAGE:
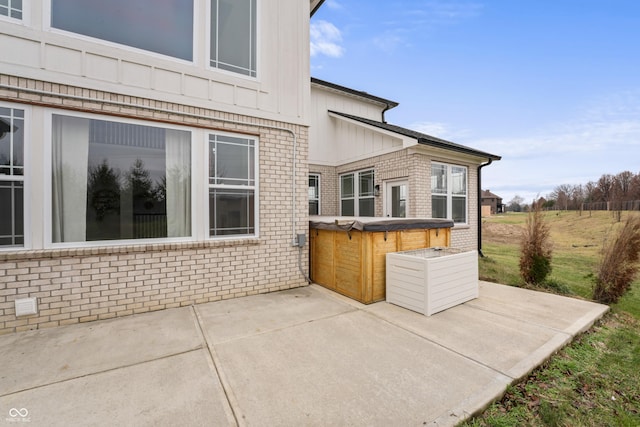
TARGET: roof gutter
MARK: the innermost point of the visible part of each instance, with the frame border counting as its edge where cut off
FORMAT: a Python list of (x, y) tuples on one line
[(387, 108), (490, 160)]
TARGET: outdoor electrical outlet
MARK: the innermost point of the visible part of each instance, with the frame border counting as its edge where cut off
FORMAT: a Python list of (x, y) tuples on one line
[(301, 239)]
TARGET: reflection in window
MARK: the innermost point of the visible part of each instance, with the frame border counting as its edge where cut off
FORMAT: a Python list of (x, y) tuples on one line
[(232, 185), (11, 8), (449, 192), (357, 194), (164, 27), (115, 181), (314, 194), (233, 36), (11, 177)]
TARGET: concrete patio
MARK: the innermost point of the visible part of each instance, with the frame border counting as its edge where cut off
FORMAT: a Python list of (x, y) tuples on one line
[(305, 356)]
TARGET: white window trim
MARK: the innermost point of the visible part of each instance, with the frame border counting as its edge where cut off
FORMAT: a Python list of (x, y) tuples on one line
[(207, 186), (317, 177), (46, 25), (207, 52), (48, 172), (26, 177), (356, 189), (450, 195)]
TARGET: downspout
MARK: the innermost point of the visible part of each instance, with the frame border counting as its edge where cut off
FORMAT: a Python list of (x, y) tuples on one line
[(480, 206), (295, 240), (387, 108)]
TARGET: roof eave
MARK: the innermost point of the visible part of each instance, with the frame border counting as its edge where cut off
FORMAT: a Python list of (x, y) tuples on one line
[(459, 149)]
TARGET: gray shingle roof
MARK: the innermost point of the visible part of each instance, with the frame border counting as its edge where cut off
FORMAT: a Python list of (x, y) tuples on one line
[(422, 138), (389, 103)]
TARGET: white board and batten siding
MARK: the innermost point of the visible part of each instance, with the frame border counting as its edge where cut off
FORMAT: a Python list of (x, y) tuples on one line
[(429, 285)]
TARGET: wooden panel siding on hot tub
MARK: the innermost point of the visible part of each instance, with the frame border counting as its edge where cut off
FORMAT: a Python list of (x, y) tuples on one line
[(348, 255)]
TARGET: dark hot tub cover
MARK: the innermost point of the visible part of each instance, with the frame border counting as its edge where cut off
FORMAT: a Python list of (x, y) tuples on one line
[(347, 223)]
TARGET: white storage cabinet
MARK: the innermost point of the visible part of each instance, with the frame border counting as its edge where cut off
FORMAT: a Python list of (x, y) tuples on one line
[(431, 280)]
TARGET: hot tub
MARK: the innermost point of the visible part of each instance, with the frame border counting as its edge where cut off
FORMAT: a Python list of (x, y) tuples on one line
[(432, 280), (347, 254)]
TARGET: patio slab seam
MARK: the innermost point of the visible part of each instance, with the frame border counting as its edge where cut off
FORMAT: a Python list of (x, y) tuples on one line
[(216, 368), (103, 371)]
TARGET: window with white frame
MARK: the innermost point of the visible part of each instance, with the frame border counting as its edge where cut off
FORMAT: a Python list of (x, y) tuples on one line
[(233, 36), (449, 192), (164, 27), (11, 8), (232, 185), (314, 194), (357, 196), (12, 131), (118, 181)]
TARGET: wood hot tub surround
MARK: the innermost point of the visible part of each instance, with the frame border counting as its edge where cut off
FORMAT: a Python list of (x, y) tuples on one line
[(348, 254)]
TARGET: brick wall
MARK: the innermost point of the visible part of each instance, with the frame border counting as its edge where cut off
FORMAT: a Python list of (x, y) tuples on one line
[(415, 166), (90, 283)]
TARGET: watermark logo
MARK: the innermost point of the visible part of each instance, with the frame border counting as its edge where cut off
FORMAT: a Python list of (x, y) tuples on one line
[(18, 415)]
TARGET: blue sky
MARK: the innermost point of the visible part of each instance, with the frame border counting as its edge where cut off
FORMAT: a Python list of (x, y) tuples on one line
[(552, 86)]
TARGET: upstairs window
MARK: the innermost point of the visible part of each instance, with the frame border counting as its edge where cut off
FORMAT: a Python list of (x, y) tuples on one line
[(164, 27), (233, 36), (11, 8), (449, 192), (357, 196), (11, 177)]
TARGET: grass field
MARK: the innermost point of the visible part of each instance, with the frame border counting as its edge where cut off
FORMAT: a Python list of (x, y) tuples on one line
[(595, 381)]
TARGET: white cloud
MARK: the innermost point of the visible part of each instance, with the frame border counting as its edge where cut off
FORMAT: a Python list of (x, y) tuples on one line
[(439, 130), (333, 4), (605, 138), (325, 39)]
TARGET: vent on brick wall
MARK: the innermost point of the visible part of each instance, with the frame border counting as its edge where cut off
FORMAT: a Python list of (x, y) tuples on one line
[(26, 306)]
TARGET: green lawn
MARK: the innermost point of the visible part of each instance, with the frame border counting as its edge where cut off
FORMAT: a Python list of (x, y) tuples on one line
[(595, 381)]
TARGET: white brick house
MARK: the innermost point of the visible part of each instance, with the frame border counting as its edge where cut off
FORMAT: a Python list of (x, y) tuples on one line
[(150, 160), (360, 165), (156, 160)]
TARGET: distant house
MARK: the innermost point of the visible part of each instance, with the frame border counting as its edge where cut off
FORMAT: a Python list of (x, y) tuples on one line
[(492, 201)]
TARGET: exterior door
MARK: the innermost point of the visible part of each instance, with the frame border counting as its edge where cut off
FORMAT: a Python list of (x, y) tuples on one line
[(396, 199)]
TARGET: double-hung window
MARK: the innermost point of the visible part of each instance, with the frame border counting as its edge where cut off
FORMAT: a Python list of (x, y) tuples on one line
[(232, 185), (449, 192), (12, 131), (11, 8), (164, 27), (233, 36), (314, 194), (118, 181), (357, 197)]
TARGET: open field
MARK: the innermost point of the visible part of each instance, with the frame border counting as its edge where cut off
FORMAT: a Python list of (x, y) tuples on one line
[(577, 241), (595, 381)]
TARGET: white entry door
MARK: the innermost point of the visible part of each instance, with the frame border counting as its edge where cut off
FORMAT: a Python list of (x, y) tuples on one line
[(396, 199)]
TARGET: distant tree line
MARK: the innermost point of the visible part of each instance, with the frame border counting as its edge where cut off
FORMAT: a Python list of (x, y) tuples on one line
[(610, 192)]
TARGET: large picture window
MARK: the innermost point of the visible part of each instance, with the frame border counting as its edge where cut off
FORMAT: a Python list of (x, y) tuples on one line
[(314, 194), (233, 36), (449, 192), (118, 181), (12, 128), (232, 186), (357, 197), (164, 27)]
